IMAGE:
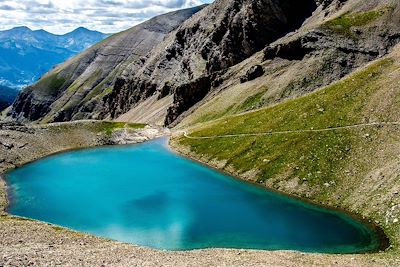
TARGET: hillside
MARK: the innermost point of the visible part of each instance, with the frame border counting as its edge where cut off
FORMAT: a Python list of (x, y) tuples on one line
[(25, 55), (331, 44), (189, 57)]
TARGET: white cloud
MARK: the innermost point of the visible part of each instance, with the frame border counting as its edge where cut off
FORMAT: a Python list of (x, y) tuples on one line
[(60, 16)]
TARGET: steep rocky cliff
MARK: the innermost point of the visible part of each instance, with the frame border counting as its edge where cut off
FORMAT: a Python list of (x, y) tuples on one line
[(149, 75), (192, 57)]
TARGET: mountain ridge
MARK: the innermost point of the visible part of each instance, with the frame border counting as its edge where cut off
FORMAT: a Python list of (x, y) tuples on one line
[(26, 29)]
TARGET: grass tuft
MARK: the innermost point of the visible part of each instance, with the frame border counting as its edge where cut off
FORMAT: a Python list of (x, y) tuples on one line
[(344, 23), (110, 127)]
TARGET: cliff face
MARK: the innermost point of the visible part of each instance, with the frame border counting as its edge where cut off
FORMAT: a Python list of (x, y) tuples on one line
[(220, 36), (163, 70)]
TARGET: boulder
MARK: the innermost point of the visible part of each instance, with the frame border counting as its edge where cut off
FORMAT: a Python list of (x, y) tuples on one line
[(253, 73)]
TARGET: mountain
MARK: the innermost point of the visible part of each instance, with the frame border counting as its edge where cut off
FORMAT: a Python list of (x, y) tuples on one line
[(180, 68), (84, 81), (25, 55), (7, 96), (201, 46)]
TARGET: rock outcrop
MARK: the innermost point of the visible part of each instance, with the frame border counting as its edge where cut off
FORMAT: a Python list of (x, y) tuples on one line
[(253, 73), (341, 48)]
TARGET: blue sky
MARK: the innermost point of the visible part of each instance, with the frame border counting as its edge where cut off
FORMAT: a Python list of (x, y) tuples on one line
[(60, 16)]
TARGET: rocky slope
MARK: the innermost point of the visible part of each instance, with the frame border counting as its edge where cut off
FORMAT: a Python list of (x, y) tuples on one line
[(333, 42)]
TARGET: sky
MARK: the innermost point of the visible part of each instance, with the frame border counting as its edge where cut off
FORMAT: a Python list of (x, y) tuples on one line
[(61, 16)]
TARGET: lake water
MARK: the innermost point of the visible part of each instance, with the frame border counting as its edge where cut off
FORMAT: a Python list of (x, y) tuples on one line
[(147, 195)]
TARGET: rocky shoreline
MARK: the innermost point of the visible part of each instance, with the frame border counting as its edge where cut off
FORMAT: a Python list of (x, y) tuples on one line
[(26, 242)]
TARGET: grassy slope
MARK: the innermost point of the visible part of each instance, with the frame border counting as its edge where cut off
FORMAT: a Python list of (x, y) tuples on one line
[(344, 24), (328, 167)]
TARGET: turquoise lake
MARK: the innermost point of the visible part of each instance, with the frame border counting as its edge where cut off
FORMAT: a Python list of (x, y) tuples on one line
[(147, 195)]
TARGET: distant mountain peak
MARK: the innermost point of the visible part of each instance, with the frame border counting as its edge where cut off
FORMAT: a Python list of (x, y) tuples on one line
[(82, 29), (21, 29), (41, 30)]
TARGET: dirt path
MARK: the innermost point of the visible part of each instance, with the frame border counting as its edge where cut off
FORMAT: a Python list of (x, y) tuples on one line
[(372, 124)]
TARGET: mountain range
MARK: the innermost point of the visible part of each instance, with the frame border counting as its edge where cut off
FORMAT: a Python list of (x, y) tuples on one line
[(25, 55), (166, 68)]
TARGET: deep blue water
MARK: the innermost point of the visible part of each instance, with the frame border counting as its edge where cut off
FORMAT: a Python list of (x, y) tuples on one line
[(147, 195)]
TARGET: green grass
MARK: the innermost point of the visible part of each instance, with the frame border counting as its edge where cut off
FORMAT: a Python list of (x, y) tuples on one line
[(344, 23), (106, 91), (110, 127), (58, 228), (314, 157), (252, 102), (51, 84), (215, 115)]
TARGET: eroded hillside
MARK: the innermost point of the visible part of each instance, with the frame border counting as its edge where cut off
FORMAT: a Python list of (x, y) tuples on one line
[(324, 50)]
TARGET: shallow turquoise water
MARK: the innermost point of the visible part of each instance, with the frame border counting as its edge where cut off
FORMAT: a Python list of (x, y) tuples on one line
[(147, 195)]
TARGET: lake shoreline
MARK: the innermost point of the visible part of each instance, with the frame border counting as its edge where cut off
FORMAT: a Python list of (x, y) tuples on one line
[(384, 241), (367, 244), (207, 256)]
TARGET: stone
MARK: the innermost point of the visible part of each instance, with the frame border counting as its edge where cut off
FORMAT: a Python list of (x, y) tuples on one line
[(253, 73), (8, 145)]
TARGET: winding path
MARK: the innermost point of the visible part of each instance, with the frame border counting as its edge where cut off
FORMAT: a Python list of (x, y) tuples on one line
[(295, 131)]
